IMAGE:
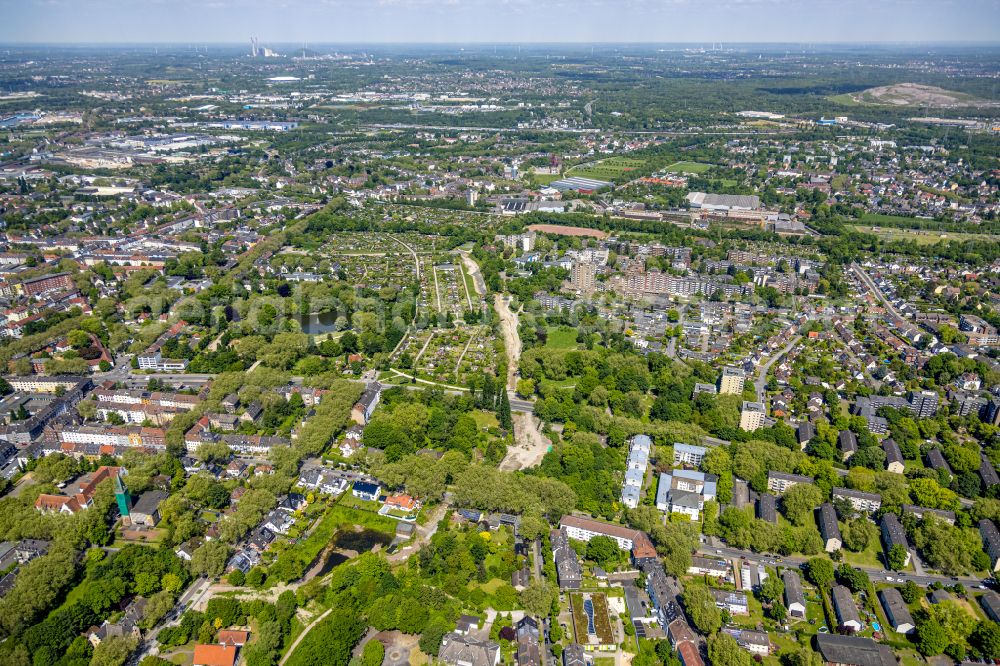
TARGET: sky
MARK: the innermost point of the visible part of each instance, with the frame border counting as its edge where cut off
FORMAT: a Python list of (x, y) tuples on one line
[(498, 21)]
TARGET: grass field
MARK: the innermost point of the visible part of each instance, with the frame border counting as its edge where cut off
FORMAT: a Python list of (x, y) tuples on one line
[(613, 168), (920, 236), (561, 337), (689, 167)]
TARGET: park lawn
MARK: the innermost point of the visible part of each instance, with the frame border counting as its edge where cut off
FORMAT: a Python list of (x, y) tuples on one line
[(560, 337), (869, 557), (689, 167)]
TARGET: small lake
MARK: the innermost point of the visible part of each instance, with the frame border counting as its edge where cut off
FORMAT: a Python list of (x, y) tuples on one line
[(317, 323), (358, 542)]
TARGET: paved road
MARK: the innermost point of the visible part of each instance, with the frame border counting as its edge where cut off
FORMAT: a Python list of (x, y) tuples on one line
[(760, 383), (876, 574), (192, 596)]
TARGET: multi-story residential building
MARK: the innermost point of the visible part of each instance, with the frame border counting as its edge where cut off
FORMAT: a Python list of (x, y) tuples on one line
[(845, 608), (828, 527), (752, 415), (688, 454), (685, 492), (893, 456), (896, 611), (861, 501), (731, 381), (568, 568), (893, 534), (583, 276), (47, 283), (795, 600), (991, 542), (920, 512), (585, 529), (635, 470), (779, 482)]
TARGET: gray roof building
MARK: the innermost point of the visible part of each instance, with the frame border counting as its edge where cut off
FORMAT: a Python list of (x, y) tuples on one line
[(853, 651), (896, 610), (845, 608), (767, 508), (795, 601), (459, 650), (828, 527), (568, 568)]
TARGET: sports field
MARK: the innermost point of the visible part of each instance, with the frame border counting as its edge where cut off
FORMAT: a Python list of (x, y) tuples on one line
[(689, 167), (615, 169)]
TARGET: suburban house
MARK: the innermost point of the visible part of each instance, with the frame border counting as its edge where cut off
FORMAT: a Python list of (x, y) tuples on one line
[(366, 491), (734, 602)]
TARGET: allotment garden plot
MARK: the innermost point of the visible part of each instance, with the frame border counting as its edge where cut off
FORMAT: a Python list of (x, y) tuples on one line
[(448, 356)]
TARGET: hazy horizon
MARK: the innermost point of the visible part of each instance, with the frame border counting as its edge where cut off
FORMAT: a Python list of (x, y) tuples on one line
[(328, 22)]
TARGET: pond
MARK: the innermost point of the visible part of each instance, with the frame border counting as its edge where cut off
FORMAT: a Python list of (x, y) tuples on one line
[(362, 541), (317, 323), (336, 553)]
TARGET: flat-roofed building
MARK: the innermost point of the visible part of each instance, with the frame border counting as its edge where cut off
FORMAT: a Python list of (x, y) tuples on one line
[(752, 415), (688, 454), (731, 381)]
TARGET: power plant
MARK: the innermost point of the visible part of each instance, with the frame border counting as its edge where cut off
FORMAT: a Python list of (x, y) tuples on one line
[(258, 51)]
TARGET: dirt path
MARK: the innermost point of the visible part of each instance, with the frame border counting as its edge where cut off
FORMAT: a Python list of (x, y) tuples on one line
[(512, 340), (472, 268), (305, 632)]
